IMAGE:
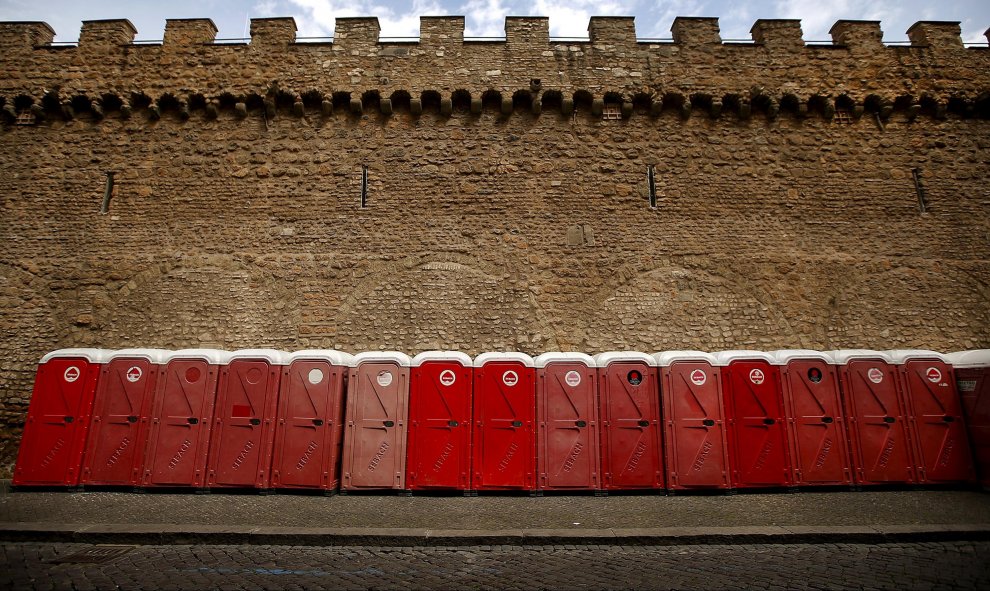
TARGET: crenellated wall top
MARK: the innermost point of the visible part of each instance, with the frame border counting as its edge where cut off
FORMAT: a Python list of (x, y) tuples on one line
[(613, 62), (349, 31)]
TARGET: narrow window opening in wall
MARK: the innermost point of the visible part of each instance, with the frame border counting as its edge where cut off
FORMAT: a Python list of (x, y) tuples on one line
[(920, 190), (611, 112), (364, 186), (107, 192), (843, 117), (651, 179)]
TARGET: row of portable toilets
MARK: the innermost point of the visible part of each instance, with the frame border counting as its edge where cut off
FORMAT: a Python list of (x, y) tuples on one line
[(677, 420)]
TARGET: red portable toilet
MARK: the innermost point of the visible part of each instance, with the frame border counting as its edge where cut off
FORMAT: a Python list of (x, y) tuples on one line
[(374, 455), (972, 373), (182, 418), (118, 430), (504, 416), (244, 419), (309, 429), (816, 425), (629, 411), (438, 450), (935, 417), (567, 448), (875, 417), (697, 455), (754, 409), (58, 418)]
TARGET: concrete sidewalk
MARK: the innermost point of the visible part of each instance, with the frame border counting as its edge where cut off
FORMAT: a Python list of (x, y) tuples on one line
[(126, 517)]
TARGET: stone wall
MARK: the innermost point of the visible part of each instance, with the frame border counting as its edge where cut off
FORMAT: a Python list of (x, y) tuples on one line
[(489, 226)]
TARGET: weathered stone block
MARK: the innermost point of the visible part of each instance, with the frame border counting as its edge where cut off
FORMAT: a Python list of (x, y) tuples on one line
[(189, 32), (612, 30), (696, 31), (106, 34), (269, 32), (441, 30), (356, 33), (533, 30), (858, 36), (23, 36), (778, 34), (937, 35)]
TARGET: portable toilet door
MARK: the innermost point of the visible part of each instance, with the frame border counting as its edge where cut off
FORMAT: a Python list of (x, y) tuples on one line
[(567, 449), (816, 425), (935, 417), (504, 422), (972, 374), (438, 452), (309, 429), (875, 416), (754, 408), (631, 436), (374, 454), (244, 419), (697, 455), (118, 430), (182, 418), (58, 418)]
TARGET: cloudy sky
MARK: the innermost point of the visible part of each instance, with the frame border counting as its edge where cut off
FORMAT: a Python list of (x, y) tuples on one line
[(484, 18)]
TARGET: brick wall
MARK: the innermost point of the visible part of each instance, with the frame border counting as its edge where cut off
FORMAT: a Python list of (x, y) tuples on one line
[(505, 228)]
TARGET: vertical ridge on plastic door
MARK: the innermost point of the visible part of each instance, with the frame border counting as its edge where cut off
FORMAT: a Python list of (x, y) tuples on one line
[(436, 443), (748, 468), (566, 437), (382, 451), (506, 435), (630, 435), (936, 417), (181, 424), (696, 446), (884, 445), (55, 430), (515, 433), (761, 443), (242, 458), (817, 432), (300, 432)]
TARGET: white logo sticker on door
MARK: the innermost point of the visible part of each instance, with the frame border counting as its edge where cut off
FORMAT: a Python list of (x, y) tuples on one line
[(756, 376), (447, 378), (71, 373), (698, 377), (875, 375), (934, 375), (315, 376), (510, 378), (133, 374), (384, 378), (572, 378)]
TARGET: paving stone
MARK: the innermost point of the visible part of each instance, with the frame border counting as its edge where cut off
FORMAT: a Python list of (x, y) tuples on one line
[(815, 566)]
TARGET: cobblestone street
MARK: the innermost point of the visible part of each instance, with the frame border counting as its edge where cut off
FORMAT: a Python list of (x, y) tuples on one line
[(793, 566)]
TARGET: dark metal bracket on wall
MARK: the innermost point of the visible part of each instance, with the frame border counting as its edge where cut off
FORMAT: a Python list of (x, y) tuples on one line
[(364, 185), (920, 190), (651, 179), (107, 191)]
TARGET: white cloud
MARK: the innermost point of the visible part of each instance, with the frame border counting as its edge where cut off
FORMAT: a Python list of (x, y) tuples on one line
[(319, 16), (736, 23), (974, 35), (266, 8), (569, 18), (817, 17), (665, 11), (484, 18)]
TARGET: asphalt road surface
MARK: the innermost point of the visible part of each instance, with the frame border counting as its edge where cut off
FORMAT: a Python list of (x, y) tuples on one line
[(941, 565)]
